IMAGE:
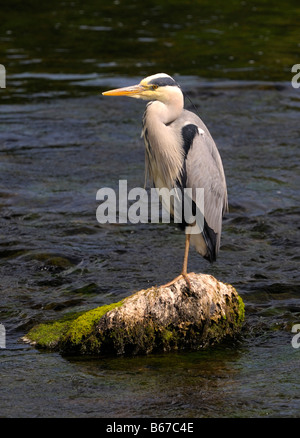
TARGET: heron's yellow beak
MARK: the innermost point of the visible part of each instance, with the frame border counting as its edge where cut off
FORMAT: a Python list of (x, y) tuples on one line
[(126, 91)]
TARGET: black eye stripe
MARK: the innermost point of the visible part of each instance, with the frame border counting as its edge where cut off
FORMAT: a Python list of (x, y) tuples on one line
[(163, 82)]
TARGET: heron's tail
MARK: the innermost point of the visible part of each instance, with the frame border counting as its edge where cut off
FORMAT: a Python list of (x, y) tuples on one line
[(205, 242), (210, 238)]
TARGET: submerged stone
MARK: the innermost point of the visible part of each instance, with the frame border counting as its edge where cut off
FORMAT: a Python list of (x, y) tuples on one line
[(155, 319)]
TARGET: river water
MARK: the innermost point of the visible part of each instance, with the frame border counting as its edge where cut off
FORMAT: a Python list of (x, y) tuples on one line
[(61, 141)]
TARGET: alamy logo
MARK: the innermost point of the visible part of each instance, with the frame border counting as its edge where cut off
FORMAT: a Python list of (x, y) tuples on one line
[(2, 76), (184, 206), (296, 78), (296, 338), (2, 336)]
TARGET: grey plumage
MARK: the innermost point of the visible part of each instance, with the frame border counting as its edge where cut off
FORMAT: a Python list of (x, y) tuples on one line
[(165, 158)]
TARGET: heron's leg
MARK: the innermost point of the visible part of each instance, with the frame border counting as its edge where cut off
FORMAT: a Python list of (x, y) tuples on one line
[(184, 273), (186, 254), (185, 260)]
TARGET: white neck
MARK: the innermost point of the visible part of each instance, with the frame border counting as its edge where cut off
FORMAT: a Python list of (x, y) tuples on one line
[(165, 146), (168, 106)]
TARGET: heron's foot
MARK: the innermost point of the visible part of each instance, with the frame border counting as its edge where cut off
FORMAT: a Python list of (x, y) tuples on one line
[(172, 282), (182, 275), (187, 280)]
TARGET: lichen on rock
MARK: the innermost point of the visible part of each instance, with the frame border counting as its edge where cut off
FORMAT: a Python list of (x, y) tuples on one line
[(155, 319)]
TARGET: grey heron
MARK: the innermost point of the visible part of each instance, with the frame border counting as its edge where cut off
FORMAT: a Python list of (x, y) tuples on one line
[(180, 152)]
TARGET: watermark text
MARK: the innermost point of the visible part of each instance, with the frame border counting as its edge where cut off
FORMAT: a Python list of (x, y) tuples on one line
[(2, 336), (182, 206), (296, 77), (2, 76), (296, 337)]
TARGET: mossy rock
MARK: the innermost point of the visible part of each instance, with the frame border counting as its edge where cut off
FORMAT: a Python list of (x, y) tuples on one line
[(155, 319)]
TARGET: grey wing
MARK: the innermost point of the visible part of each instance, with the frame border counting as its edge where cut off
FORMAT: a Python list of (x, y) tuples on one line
[(204, 169)]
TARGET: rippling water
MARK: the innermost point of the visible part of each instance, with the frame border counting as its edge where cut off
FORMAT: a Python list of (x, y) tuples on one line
[(61, 141), (56, 258)]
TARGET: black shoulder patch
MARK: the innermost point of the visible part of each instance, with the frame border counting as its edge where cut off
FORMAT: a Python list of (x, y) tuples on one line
[(188, 134), (163, 82)]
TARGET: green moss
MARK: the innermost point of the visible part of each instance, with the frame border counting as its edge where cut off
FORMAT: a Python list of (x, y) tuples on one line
[(72, 329), (48, 335), (241, 309), (167, 335), (81, 328)]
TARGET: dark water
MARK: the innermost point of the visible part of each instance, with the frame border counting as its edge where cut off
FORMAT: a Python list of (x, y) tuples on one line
[(61, 141)]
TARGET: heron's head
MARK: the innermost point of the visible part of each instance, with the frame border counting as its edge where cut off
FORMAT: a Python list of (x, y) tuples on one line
[(160, 87)]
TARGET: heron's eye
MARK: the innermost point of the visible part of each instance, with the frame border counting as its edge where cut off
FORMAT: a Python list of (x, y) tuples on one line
[(154, 87)]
